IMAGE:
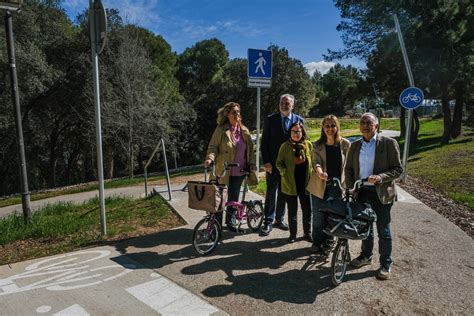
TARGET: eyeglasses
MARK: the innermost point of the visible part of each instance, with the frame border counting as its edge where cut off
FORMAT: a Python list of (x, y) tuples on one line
[(235, 112), (369, 123), (296, 131), (330, 126)]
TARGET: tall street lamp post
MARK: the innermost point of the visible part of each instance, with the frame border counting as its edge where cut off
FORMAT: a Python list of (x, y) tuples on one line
[(9, 7)]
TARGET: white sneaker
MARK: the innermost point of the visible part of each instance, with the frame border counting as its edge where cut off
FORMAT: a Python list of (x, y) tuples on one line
[(384, 273)]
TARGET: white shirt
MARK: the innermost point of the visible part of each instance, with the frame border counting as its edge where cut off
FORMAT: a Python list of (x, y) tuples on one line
[(367, 157)]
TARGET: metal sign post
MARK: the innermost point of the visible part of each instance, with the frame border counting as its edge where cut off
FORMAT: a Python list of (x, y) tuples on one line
[(98, 20), (410, 111), (25, 193), (259, 73)]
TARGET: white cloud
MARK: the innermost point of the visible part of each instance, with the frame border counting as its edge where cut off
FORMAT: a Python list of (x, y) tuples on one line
[(241, 29), (199, 29), (141, 12), (321, 66)]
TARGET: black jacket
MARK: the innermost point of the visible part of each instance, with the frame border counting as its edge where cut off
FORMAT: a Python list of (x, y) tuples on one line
[(273, 136)]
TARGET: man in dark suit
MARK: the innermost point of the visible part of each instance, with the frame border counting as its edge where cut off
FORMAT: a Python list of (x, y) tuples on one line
[(377, 158), (275, 133)]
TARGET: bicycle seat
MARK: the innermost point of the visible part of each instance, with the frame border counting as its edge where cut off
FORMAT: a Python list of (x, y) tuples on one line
[(233, 203)]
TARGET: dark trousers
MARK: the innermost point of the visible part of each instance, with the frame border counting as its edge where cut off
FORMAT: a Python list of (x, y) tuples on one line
[(233, 192), (274, 186), (383, 227), (319, 218), (292, 201)]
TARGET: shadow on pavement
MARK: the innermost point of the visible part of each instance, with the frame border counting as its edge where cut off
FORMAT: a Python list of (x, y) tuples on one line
[(242, 262)]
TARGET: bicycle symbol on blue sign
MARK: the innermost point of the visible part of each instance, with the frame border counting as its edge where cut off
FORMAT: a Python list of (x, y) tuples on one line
[(411, 98)]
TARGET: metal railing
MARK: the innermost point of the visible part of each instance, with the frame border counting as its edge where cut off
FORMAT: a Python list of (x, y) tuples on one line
[(162, 144)]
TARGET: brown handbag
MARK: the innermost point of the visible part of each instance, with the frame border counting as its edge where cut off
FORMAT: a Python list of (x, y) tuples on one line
[(206, 196)]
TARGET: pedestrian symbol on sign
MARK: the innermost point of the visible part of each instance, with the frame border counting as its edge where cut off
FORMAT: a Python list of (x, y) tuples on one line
[(260, 63)]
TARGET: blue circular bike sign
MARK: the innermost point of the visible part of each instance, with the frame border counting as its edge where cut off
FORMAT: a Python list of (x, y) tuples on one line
[(411, 98)]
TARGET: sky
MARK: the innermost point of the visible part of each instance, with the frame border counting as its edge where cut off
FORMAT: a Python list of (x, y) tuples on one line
[(306, 28)]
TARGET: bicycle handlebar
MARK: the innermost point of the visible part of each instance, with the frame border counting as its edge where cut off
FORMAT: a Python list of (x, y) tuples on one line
[(359, 183), (227, 166)]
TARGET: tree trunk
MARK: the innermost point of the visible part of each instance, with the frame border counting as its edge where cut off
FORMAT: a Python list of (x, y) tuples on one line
[(52, 160), (415, 128), (141, 162), (130, 143), (109, 163), (403, 126), (457, 116), (446, 115)]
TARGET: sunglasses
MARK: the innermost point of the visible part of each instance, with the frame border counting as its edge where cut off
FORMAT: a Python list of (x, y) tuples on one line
[(296, 131), (235, 112), (330, 126)]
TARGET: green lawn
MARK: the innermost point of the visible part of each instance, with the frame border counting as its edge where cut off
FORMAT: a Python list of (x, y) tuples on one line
[(114, 183), (64, 227), (448, 168), (349, 126)]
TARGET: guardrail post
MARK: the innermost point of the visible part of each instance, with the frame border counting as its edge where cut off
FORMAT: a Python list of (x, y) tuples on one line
[(166, 168)]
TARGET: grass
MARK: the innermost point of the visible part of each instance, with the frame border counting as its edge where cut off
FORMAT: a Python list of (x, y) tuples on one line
[(448, 168), (260, 188), (63, 227), (349, 126), (109, 184)]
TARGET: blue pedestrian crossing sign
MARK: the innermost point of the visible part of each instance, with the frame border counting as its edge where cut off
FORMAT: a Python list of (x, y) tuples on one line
[(411, 98), (259, 64)]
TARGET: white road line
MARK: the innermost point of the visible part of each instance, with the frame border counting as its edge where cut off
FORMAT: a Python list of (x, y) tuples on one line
[(167, 298), (404, 196), (73, 310)]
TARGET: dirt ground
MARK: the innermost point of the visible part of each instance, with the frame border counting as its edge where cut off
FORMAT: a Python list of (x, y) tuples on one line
[(459, 214)]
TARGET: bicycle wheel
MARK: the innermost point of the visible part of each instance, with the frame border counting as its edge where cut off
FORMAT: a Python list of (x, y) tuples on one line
[(206, 235), (339, 261), (255, 216)]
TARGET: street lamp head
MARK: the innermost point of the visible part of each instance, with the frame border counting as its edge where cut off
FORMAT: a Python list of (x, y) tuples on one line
[(11, 5)]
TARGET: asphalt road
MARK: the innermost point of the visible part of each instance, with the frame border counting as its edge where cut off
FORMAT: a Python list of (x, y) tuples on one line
[(248, 274)]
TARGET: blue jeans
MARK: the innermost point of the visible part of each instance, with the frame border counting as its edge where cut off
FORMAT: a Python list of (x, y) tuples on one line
[(319, 237), (383, 228), (233, 192), (273, 186)]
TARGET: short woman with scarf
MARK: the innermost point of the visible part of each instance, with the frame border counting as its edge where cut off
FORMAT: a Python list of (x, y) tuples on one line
[(294, 165)]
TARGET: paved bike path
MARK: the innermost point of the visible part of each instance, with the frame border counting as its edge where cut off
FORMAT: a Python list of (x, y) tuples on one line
[(95, 281), (433, 270), (249, 274)]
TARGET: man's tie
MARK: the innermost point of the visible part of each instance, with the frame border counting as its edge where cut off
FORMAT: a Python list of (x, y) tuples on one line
[(286, 120)]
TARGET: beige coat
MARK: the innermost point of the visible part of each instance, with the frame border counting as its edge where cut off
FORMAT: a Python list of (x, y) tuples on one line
[(222, 149), (317, 186), (386, 164)]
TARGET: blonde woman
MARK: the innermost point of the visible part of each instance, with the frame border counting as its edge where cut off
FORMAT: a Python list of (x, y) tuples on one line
[(329, 158), (231, 143)]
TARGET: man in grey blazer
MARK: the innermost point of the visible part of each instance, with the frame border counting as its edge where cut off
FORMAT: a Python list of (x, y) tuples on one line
[(377, 158)]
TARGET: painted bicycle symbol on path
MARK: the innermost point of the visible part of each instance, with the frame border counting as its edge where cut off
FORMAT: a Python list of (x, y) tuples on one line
[(65, 272)]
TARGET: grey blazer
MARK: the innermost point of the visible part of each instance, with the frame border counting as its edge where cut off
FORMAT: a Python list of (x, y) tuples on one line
[(386, 164)]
